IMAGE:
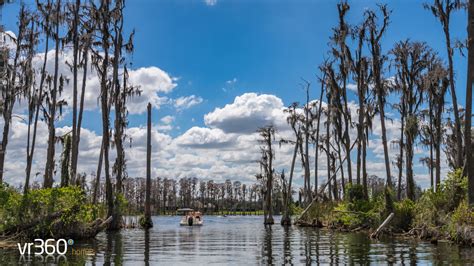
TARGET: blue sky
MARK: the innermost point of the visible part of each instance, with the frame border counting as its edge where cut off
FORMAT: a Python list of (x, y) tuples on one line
[(221, 49), (267, 46)]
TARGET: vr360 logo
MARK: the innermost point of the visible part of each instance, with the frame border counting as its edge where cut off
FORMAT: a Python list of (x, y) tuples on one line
[(40, 246)]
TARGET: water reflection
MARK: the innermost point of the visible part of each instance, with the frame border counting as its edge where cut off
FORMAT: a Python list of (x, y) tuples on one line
[(146, 253), (267, 246), (245, 241), (114, 252), (287, 255)]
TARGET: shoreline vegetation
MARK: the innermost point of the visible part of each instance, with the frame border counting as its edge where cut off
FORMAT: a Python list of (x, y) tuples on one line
[(435, 216), (340, 131)]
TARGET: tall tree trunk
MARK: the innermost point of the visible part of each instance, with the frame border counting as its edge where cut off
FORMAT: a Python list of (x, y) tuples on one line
[(431, 146), (470, 80), (341, 163), (335, 191), (306, 152), (10, 96), (48, 176), (438, 141), (409, 163), (381, 104), (286, 220), (99, 171), (316, 148), (328, 148), (75, 50), (31, 150), (119, 124), (104, 99), (81, 106), (457, 117), (364, 164), (270, 181), (347, 145), (360, 132), (148, 223), (401, 146)]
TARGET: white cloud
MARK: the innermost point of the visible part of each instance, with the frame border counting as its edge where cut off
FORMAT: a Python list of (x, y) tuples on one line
[(200, 137), (227, 148), (152, 82), (167, 119), (247, 113), (187, 102), (210, 2)]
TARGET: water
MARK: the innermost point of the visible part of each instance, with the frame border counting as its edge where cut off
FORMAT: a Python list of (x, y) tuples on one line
[(244, 240)]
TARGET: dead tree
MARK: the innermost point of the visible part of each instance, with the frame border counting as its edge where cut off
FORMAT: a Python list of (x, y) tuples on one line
[(147, 222), (442, 10), (411, 61), (467, 128), (11, 91), (295, 122), (375, 33), (267, 135), (51, 97)]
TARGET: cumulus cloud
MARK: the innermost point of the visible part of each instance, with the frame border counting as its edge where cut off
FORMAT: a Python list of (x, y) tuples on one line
[(226, 148), (187, 102), (151, 81), (247, 113), (199, 137)]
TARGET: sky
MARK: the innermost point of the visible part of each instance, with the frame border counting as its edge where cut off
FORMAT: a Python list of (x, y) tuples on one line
[(215, 71)]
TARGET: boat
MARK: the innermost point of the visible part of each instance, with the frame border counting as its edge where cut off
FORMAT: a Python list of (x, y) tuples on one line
[(190, 217)]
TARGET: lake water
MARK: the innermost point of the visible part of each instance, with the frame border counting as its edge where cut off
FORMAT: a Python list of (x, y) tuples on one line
[(244, 240)]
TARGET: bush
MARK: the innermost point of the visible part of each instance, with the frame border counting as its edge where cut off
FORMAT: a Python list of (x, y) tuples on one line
[(16, 209), (10, 201), (460, 223), (295, 209), (359, 212), (354, 192), (404, 213), (455, 189), (433, 208)]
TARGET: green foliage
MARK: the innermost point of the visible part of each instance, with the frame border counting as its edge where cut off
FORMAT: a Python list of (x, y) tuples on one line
[(10, 201), (428, 209), (121, 201), (354, 192), (444, 212), (433, 208), (295, 209), (17, 209), (454, 188), (144, 222), (360, 212), (462, 218), (319, 211), (404, 213)]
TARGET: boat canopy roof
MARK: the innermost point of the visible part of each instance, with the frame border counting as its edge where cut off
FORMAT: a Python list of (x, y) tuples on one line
[(185, 210)]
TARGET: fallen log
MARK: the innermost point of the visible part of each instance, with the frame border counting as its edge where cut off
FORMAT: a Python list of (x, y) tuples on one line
[(79, 230), (28, 225), (387, 220)]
